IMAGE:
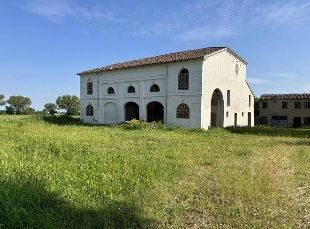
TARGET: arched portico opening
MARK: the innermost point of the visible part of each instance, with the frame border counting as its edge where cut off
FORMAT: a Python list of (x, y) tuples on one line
[(217, 109), (155, 112), (131, 111)]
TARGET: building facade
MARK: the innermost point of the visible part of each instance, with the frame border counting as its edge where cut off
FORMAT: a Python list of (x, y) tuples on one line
[(285, 110), (199, 88)]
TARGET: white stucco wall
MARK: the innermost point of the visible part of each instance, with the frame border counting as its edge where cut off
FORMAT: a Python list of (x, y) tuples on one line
[(165, 76), (214, 72), (219, 72)]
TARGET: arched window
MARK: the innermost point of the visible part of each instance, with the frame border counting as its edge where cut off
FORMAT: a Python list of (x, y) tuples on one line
[(111, 90), (183, 111), (89, 87), (131, 89), (183, 80), (154, 88), (89, 110)]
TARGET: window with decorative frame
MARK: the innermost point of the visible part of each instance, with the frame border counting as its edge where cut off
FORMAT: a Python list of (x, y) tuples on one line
[(183, 80), (154, 88), (89, 110), (111, 91), (131, 89), (183, 111), (89, 88)]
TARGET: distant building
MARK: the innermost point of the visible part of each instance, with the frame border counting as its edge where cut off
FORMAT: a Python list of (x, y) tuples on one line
[(285, 110), (199, 88)]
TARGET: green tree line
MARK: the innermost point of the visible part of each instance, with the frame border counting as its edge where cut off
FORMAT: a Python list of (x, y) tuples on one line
[(20, 105)]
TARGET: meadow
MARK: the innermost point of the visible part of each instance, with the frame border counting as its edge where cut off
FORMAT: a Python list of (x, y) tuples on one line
[(59, 173)]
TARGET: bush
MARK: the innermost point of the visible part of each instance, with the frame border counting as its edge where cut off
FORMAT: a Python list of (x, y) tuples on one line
[(140, 125)]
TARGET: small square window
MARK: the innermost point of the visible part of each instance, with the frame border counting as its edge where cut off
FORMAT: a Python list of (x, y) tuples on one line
[(297, 105), (284, 105)]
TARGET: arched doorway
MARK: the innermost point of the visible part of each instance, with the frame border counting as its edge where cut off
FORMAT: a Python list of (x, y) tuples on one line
[(131, 111), (155, 112), (217, 109), (110, 113)]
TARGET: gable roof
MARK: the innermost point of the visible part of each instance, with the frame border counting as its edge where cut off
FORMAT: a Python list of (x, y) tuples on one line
[(161, 59), (285, 96)]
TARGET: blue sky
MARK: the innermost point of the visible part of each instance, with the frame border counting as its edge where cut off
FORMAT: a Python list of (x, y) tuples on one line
[(43, 43)]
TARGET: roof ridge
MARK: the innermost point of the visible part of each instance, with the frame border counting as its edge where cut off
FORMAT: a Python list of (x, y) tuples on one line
[(158, 59)]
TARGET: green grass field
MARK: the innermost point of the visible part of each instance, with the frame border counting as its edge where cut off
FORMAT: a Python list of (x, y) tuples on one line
[(58, 173)]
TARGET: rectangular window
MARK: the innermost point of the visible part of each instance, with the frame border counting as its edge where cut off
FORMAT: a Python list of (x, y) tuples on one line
[(284, 105), (307, 120), (307, 105), (297, 105), (265, 105), (228, 97), (89, 88), (250, 98)]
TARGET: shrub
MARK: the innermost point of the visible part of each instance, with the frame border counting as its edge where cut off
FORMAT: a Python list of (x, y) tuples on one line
[(140, 125)]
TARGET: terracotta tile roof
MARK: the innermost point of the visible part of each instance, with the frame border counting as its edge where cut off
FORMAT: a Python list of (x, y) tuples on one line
[(167, 58), (285, 96)]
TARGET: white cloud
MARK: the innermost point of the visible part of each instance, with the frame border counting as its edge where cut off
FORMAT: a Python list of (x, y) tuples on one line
[(281, 12), (188, 21), (58, 10), (280, 75), (267, 78), (205, 33), (256, 80)]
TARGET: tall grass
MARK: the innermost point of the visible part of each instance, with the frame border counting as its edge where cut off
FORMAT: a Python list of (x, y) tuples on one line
[(59, 173)]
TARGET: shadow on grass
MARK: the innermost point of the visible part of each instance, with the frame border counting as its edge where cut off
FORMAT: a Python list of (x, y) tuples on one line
[(28, 204), (63, 120), (269, 131)]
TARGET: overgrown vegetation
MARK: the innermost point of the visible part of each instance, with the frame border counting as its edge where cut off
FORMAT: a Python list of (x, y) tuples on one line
[(58, 173)]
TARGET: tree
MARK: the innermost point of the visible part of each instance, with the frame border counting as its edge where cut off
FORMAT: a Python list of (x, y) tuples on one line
[(9, 110), (28, 111), (50, 108), (70, 103), (2, 101), (18, 103)]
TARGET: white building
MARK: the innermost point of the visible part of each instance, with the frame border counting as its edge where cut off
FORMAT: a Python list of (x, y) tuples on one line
[(199, 88)]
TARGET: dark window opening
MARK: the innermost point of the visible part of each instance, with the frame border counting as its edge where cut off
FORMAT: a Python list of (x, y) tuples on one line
[(228, 97), (250, 99), (183, 111), (154, 88), (111, 90), (89, 88), (183, 80), (131, 89), (265, 105), (284, 105), (89, 110), (297, 105), (307, 120)]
